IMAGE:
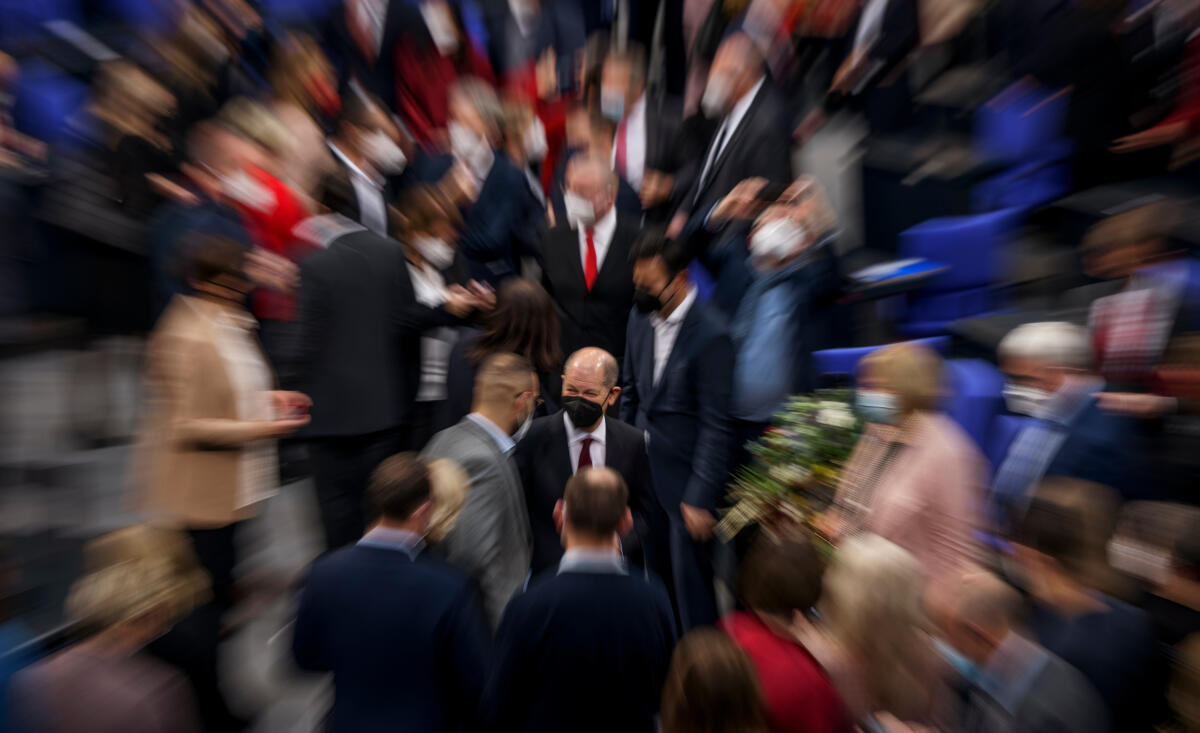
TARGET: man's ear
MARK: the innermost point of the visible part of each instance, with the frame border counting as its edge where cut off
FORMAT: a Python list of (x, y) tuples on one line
[(559, 516), (626, 524), (613, 397)]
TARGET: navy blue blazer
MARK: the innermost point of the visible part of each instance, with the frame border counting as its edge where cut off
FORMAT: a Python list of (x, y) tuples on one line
[(404, 638), (581, 651), (687, 414), (1102, 448), (505, 222)]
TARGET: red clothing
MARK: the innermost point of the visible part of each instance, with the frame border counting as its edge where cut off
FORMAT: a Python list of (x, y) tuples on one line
[(799, 696), (271, 229), (423, 80), (1187, 107)]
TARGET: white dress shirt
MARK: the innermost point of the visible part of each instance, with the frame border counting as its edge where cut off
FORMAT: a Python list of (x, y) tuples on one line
[(368, 189), (635, 144), (729, 127), (372, 15), (602, 234), (575, 437), (870, 25), (666, 330), (429, 288)]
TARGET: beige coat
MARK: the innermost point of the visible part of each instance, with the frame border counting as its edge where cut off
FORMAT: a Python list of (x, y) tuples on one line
[(188, 458)]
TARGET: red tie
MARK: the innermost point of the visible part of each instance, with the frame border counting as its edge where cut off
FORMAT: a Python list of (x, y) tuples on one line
[(585, 455), (589, 262), (621, 149)]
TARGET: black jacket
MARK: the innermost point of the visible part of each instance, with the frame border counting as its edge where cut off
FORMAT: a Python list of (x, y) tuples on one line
[(544, 461), (596, 317)]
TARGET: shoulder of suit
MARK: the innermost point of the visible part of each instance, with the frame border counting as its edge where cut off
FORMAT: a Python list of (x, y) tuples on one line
[(624, 429)]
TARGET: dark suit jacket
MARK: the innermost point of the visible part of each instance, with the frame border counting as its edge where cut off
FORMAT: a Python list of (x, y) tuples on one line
[(674, 145), (403, 637), (403, 25), (760, 146), (504, 223), (596, 317), (581, 651), (544, 461), (885, 99), (359, 345), (337, 187), (687, 413), (1102, 448)]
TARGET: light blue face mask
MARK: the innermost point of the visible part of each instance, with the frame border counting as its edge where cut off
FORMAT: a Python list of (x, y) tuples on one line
[(880, 407), (968, 670), (612, 105)]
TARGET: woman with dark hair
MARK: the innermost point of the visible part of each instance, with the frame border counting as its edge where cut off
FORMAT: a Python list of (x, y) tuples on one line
[(523, 322), (711, 687)]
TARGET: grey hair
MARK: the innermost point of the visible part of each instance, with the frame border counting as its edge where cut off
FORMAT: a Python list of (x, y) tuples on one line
[(873, 604), (1057, 343), (483, 98)]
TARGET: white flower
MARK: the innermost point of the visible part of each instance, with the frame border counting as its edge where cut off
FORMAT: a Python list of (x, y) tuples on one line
[(838, 417)]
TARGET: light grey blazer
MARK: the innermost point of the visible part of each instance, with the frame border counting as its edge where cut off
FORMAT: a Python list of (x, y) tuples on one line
[(491, 539)]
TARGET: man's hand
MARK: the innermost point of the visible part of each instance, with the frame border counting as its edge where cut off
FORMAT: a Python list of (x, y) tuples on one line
[(1155, 137), (678, 222), (269, 270), (656, 188), (848, 73), (700, 522), (809, 126), (740, 203), (485, 296), (459, 302), (289, 404), (459, 185)]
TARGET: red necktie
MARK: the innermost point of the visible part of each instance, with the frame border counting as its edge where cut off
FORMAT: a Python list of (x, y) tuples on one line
[(585, 455), (621, 149), (589, 262)]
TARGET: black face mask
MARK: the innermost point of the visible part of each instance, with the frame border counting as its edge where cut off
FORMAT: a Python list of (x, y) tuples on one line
[(647, 303), (582, 412)]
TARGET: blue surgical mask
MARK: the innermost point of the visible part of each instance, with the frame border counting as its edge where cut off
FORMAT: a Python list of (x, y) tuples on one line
[(968, 670), (612, 104), (880, 407)]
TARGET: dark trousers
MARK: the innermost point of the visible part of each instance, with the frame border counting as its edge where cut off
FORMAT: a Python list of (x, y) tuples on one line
[(341, 468), (216, 550), (420, 427), (191, 647)]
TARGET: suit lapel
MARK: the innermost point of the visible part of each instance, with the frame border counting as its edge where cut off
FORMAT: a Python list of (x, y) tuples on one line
[(682, 346), (734, 139), (560, 453), (645, 376), (617, 254), (570, 248)]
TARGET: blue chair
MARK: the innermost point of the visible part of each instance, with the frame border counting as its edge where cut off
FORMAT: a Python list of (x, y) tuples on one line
[(1021, 131), (975, 395), (844, 362), (971, 246), (45, 99), (1002, 433)]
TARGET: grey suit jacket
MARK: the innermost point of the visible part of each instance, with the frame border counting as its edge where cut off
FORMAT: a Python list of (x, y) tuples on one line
[(491, 540)]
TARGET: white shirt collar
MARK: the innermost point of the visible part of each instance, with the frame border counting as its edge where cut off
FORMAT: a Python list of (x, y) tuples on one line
[(734, 118), (324, 229), (589, 560), (374, 180), (679, 313), (575, 435), (391, 538), (503, 440), (637, 111)]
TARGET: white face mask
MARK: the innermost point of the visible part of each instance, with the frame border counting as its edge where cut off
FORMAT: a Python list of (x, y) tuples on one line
[(580, 212), (612, 103), (464, 143), (776, 240), (245, 190), (535, 141), (1025, 400), (716, 97), (384, 153), (435, 251)]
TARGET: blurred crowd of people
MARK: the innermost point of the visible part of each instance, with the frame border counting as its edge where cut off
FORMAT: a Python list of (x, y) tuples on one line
[(513, 283)]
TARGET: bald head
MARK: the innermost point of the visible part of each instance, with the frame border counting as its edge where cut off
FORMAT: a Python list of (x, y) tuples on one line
[(594, 364), (590, 375)]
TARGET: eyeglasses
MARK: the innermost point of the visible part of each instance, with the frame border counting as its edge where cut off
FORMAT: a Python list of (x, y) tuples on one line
[(537, 401)]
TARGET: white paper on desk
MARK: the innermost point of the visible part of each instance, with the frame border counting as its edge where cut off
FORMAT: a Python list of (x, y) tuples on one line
[(883, 270)]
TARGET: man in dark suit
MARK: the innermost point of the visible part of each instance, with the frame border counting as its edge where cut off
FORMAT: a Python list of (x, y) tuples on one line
[(401, 631), (676, 387), (753, 137), (1048, 369), (585, 261), (361, 37), (499, 227), (366, 152), (654, 149), (359, 355), (580, 435), (591, 632), (491, 540)]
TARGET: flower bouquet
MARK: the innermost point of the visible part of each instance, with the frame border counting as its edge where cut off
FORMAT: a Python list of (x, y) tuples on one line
[(795, 465)]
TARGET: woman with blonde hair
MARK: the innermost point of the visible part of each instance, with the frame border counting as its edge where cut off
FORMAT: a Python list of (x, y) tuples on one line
[(914, 477), (140, 581)]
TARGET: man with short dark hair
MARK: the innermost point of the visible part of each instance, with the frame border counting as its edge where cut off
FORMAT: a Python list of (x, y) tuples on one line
[(677, 382), (585, 648), (401, 631)]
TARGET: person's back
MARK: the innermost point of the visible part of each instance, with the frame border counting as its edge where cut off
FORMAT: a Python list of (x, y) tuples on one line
[(402, 632), (587, 648)]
